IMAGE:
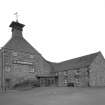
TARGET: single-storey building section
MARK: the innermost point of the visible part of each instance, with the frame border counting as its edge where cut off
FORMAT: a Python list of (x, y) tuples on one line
[(83, 71)]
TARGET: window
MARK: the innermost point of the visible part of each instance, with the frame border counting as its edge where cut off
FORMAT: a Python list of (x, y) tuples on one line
[(77, 71), (77, 81), (31, 69), (38, 70), (65, 81), (7, 68), (14, 53), (31, 56), (65, 73), (77, 76), (22, 62)]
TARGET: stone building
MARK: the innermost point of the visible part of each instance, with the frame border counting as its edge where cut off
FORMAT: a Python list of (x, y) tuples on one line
[(19, 61), (86, 71)]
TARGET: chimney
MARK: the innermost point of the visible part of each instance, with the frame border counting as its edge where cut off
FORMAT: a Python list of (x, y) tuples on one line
[(17, 29)]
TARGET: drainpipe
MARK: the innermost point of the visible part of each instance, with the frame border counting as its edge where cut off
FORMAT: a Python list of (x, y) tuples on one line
[(2, 72), (88, 71)]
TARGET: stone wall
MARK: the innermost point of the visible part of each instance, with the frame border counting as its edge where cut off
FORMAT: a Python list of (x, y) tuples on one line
[(61, 79), (0, 69), (97, 72), (20, 66), (79, 77), (43, 67)]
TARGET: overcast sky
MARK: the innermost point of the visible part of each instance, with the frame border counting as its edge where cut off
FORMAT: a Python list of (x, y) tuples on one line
[(58, 29)]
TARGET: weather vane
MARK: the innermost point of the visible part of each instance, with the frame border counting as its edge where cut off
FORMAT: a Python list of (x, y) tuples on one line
[(16, 14)]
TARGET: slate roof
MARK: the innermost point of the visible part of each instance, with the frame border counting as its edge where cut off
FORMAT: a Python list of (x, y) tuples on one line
[(75, 63), (20, 44)]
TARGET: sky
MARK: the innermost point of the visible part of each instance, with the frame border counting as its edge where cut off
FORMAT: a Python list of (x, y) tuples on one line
[(59, 29)]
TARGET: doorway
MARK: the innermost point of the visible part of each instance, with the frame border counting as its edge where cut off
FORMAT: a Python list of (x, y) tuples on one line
[(47, 81)]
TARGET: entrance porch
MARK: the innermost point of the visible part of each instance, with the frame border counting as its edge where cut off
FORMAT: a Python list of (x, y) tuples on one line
[(48, 80)]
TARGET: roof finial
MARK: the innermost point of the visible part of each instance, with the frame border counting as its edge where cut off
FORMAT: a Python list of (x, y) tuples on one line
[(16, 14)]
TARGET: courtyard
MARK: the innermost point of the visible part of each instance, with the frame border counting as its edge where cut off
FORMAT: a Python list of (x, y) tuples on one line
[(54, 96)]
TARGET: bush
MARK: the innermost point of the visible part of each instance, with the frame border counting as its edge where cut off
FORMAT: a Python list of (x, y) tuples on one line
[(27, 83)]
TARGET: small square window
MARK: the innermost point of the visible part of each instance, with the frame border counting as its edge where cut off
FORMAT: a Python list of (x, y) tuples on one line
[(77, 81), (31, 69), (65, 81), (77, 72), (7, 69), (14, 53), (31, 56), (77, 76), (65, 73)]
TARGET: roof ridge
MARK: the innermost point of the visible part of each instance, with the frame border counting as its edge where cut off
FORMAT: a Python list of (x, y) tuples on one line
[(75, 63), (80, 57)]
